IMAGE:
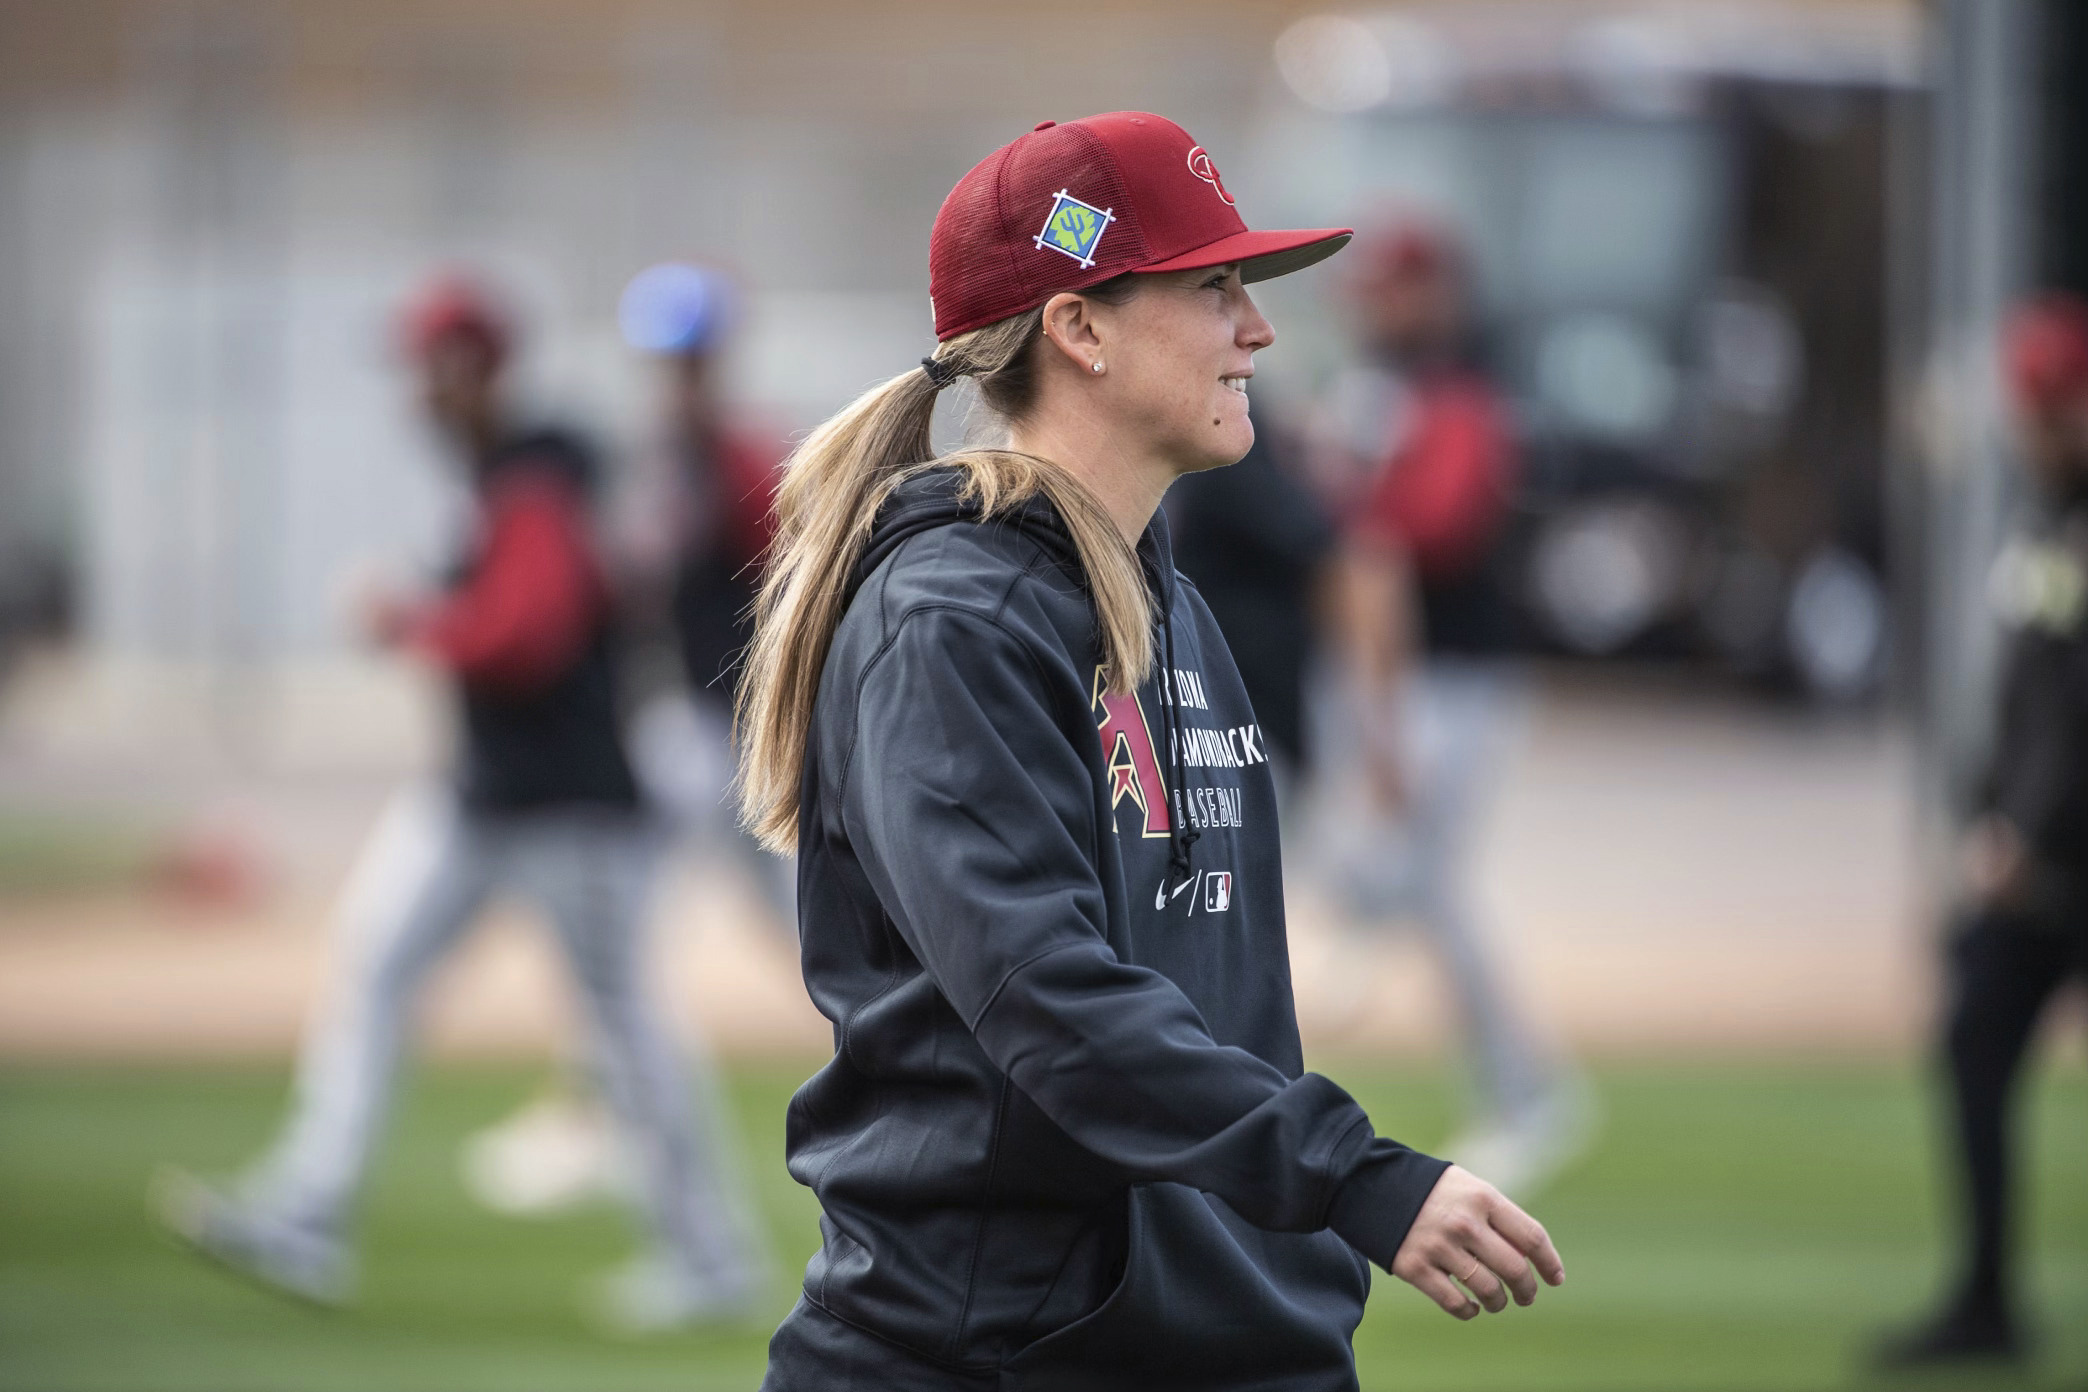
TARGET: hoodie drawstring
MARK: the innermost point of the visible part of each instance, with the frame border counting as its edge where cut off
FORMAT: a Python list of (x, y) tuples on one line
[(1180, 836)]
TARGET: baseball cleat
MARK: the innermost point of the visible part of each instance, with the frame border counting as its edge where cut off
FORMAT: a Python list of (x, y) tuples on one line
[(279, 1256)]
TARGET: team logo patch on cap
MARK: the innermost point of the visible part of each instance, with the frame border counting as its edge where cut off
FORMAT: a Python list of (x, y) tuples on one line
[(1075, 228), (1200, 165)]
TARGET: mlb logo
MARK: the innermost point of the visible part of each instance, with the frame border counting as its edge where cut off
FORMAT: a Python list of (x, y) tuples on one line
[(1074, 228), (1218, 891)]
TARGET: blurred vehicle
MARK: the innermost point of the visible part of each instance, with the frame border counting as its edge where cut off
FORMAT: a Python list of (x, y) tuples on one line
[(1675, 216)]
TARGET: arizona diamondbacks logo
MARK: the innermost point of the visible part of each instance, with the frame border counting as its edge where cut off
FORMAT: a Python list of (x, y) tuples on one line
[(1074, 228), (1128, 753)]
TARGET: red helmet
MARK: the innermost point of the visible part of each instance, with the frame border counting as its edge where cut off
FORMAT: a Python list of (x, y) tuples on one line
[(2044, 346), (452, 306), (1402, 244)]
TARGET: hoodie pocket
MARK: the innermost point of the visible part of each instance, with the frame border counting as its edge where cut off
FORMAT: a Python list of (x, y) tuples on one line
[(1088, 1339), (1206, 1301)]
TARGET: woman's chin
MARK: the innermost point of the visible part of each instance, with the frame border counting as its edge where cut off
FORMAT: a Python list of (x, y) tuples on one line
[(1225, 440), (1235, 438)]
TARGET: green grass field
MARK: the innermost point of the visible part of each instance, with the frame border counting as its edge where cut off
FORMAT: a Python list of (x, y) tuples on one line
[(1740, 1227)]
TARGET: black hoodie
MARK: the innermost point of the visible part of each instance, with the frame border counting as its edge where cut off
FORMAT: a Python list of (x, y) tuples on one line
[(557, 743), (2037, 771), (1066, 1139)]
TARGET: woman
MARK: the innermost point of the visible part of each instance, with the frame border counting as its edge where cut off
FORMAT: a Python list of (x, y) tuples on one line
[(1066, 1139)]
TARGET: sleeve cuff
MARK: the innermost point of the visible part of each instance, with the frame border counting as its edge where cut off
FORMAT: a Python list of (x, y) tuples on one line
[(1378, 1203)]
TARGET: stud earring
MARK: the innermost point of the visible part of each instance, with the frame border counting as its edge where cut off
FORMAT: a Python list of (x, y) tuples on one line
[(1096, 366)]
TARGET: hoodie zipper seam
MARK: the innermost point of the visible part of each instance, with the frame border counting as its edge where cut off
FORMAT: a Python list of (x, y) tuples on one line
[(971, 1273), (1001, 986)]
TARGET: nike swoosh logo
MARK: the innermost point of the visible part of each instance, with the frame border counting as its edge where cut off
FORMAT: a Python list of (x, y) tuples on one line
[(1161, 896)]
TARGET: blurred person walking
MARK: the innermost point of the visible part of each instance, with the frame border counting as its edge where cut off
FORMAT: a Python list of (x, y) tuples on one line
[(2024, 927), (1258, 545), (1066, 1139), (686, 544), (542, 805), (1419, 459), (693, 541)]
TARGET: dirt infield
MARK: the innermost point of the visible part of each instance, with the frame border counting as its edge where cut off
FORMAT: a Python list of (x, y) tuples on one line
[(1664, 870)]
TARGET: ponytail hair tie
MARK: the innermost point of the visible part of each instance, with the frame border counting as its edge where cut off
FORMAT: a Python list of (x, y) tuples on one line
[(940, 373)]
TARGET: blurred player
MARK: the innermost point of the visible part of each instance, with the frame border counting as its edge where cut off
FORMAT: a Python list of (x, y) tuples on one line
[(1421, 463), (696, 534), (1257, 542), (2025, 924), (687, 547), (543, 805)]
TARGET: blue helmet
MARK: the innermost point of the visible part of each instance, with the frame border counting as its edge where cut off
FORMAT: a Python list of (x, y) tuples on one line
[(675, 308)]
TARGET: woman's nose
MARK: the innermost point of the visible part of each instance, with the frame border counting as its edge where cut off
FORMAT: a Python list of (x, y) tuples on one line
[(1255, 331)]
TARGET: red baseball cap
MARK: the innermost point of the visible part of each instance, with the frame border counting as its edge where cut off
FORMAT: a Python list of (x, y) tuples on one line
[(453, 306), (2045, 347), (1402, 245), (1072, 205)]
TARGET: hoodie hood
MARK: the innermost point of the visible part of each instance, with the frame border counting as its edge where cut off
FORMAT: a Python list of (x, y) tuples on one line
[(935, 498), (930, 499)]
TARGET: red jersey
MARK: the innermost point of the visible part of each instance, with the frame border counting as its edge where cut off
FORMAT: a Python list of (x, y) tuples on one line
[(1442, 490)]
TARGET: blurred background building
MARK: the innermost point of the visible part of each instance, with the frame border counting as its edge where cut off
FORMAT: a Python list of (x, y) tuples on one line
[(1677, 213)]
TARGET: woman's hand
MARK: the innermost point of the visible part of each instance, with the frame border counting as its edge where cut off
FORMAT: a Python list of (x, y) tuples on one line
[(376, 608), (1996, 862), (1469, 1237), (1384, 774)]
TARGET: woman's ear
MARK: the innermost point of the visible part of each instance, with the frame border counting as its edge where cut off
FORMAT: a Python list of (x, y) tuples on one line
[(1069, 323)]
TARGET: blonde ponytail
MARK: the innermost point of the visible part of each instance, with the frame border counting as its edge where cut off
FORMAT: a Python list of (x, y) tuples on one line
[(833, 487)]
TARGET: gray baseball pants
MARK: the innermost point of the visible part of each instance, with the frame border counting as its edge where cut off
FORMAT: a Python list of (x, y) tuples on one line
[(426, 874)]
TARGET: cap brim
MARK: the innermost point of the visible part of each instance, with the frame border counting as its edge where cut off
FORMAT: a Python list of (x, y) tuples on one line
[(1262, 255)]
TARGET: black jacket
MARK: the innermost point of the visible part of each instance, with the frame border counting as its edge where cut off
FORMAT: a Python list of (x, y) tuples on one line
[(558, 744), (1066, 1139), (2037, 775), (1253, 539)]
